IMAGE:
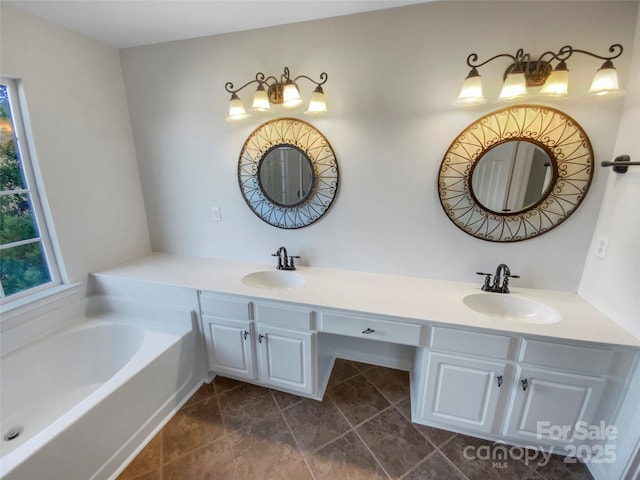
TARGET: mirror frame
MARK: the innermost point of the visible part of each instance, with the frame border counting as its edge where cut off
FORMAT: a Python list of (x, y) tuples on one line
[(557, 133), (304, 137)]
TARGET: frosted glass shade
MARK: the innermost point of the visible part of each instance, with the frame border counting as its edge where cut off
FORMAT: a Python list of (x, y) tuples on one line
[(236, 109), (515, 86), (557, 85), (317, 104), (471, 92), (605, 81), (291, 95), (261, 100)]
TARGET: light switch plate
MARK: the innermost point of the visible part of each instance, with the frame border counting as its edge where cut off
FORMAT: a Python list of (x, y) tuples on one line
[(215, 214), (602, 245)]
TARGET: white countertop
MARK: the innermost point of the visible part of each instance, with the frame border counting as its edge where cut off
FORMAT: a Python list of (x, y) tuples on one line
[(424, 300)]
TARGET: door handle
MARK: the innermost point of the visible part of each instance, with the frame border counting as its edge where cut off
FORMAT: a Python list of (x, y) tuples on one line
[(245, 334), (260, 337), (499, 379), (525, 384)]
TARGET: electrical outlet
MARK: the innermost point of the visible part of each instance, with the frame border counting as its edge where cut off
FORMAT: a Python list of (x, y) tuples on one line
[(602, 245), (215, 214)]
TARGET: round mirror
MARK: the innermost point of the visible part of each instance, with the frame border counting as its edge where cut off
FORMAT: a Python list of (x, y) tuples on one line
[(512, 176), (515, 173), (286, 175)]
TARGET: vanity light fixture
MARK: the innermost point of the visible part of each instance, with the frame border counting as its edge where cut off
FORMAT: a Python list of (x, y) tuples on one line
[(277, 91), (525, 72)]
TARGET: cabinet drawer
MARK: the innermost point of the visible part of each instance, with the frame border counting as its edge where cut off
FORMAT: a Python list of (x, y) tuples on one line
[(296, 317), (235, 308), (472, 343), (372, 329), (568, 357)]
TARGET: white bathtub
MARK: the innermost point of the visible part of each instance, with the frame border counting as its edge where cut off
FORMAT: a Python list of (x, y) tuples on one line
[(84, 398)]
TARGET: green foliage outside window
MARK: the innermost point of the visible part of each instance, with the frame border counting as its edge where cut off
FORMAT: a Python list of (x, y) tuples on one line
[(22, 266)]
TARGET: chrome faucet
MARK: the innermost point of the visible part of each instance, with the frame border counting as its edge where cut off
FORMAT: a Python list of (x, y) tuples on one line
[(500, 280), (285, 262)]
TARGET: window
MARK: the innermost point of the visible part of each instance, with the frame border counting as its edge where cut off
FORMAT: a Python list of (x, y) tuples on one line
[(27, 262)]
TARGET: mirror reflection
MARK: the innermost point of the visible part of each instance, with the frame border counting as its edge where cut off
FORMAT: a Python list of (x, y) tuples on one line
[(286, 175), (512, 176)]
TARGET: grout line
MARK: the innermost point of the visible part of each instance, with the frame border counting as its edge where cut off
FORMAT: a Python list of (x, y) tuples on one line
[(447, 459), (405, 474), (304, 457)]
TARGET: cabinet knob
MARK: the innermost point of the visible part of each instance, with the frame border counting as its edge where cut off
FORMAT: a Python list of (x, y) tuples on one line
[(368, 331), (525, 384), (499, 379), (245, 334), (260, 337)]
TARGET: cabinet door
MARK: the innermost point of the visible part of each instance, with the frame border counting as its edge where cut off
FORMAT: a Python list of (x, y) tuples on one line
[(286, 358), (551, 405), (463, 391), (229, 346)]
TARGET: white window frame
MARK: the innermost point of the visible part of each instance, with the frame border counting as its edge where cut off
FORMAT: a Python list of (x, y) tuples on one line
[(35, 189)]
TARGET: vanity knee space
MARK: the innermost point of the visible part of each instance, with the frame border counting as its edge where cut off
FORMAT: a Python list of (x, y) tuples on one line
[(515, 388)]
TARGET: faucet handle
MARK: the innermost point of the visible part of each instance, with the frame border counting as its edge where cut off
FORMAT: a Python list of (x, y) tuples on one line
[(291, 265), (487, 280)]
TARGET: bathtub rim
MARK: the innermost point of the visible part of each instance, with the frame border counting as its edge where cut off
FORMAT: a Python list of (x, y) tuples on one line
[(172, 333)]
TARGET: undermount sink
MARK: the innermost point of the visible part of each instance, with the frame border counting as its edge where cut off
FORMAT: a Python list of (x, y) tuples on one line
[(274, 280), (507, 307)]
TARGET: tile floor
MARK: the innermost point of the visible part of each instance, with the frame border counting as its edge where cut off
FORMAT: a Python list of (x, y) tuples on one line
[(231, 430)]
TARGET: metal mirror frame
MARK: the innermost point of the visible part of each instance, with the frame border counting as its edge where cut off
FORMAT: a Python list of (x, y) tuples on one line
[(310, 141), (570, 152)]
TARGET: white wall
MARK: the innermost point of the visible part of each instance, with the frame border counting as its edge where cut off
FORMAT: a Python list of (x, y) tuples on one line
[(83, 141), (392, 77), (612, 284)]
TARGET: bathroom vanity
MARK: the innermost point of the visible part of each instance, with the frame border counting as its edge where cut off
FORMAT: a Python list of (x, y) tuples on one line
[(535, 369)]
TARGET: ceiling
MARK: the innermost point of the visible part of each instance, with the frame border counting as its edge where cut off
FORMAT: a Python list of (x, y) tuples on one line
[(122, 23)]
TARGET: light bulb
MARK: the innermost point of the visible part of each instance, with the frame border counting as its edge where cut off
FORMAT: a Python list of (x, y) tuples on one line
[(261, 100), (557, 85), (514, 86), (471, 91), (605, 81), (317, 104), (291, 95), (236, 109)]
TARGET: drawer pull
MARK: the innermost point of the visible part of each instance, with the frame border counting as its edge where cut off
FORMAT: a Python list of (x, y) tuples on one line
[(245, 334), (525, 385), (368, 331), (499, 379)]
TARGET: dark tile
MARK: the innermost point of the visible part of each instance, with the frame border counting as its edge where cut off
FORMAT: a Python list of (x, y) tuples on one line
[(357, 399), (435, 467), (314, 423), (436, 436), (222, 384), (563, 468), (192, 427), (245, 405), (363, 367), (295, 471), (480, 459), (394, 384), (206, 390), (147, 462), (211, 462), (284, 399), (394, 441), (345, 458), (264, 448), (342, 370)]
